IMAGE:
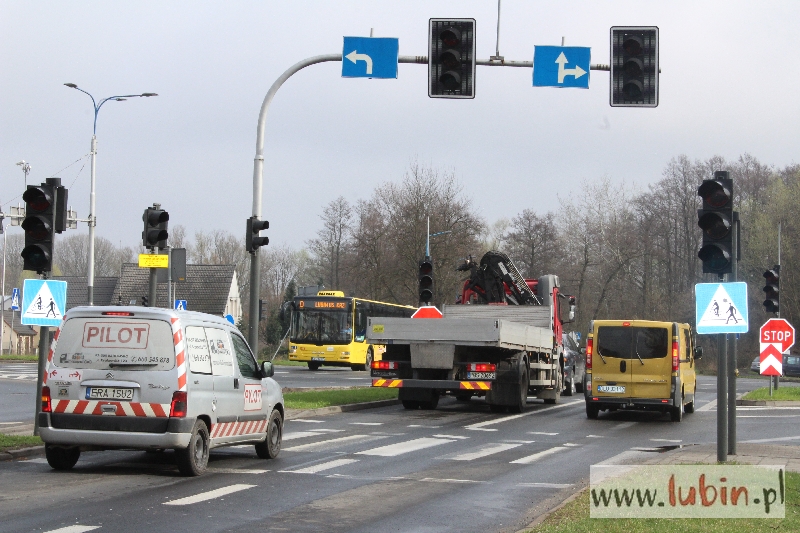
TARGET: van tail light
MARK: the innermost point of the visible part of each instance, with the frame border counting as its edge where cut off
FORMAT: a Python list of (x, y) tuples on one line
[(675, 361), (589, 349), (177, 408), (47, 407)]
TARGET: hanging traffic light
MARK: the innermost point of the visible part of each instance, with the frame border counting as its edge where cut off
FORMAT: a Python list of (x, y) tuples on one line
[(253, 241), (425, 277), (38, 224), (156, 222), (716, 221), (634, 66), (451, 58), (772, 302)]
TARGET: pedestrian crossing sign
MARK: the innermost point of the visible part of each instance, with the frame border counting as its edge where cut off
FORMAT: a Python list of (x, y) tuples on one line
[(721, 308), (43, 302)]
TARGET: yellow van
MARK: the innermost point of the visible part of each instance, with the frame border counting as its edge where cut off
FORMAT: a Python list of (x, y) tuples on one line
[(640, 364)]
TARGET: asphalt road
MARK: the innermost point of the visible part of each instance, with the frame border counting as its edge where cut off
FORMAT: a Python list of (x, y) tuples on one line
[(459, 468)]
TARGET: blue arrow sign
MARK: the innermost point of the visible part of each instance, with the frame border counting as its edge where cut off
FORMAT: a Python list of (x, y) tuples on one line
[(561, 66), (180, 305), (15, 299), (721, 308), (43, 302), (370, 57)]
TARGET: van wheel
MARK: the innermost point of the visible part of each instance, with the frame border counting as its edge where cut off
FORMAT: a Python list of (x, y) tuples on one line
[(592, 411), (271, 447), (676, 414), (193, 460), (313, 365), (61, 458), (689, 407)]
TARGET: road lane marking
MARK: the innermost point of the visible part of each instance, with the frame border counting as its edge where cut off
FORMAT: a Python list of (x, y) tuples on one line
[(73, 529), (489, 449), (301, 434), (536, 456), (459, 437), (444, 480), (546, 485), (366, 423), (707, 407), (340, 440), (529, 413), (767, 416), (306, 420), (392, 450), (571, 445), (595, 436), (421, 426), (237, 471), (624, 425), (321, 467), (210, 495), (541, 433), (481, 429), (666, 440), (762, 441)]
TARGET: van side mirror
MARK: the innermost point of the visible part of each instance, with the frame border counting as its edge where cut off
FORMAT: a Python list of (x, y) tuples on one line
[(698, 353), (267, 370)]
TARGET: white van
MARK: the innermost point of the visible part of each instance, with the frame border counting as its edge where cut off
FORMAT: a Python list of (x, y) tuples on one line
[(154, 379)]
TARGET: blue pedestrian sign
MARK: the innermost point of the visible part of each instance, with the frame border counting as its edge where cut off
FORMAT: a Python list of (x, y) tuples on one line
[(180, 305), (721, 307), (230, 319), (43, 302), (370, 57), (15, 299), (561, 66)]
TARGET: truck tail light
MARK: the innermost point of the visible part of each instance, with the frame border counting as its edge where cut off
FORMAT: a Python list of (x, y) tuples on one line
[(675, 361), (589, 350), (385, 365), (481, 367), (47, 407), (177, 408)]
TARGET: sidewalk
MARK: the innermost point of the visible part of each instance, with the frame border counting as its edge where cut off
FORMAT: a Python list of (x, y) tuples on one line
[(753, 454)]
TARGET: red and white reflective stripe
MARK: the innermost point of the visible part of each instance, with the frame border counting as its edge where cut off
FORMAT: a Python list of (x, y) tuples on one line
[(52, 350), (232, 429), (95, 407), (180, 353)]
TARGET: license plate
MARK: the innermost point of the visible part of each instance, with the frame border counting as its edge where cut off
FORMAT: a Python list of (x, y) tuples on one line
[(108, 393), (610, 388), (481, 375), (317, 358)]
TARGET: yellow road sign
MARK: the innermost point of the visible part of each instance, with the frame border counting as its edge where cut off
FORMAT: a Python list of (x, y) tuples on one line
[(153, 261)]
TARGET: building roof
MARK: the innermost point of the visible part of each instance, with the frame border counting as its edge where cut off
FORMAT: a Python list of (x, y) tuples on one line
[(19, 329), (104, 287), (206, 288)]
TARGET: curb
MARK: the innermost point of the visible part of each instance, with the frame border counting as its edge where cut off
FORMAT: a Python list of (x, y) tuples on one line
[(22, 453), (582, 486), (768, 403)]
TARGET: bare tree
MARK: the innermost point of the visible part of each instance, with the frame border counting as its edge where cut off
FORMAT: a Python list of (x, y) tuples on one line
[(331, 244)]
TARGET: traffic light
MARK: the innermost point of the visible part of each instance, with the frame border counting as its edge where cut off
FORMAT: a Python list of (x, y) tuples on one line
[(144, 301), (155, 232), (451, 58), (716, 221), (40, 224), (425, 277), (771, 304), (252, 239), (634, 66)]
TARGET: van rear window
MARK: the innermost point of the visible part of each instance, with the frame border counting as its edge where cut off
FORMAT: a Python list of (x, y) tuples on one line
[(115, 343), (626, 342)]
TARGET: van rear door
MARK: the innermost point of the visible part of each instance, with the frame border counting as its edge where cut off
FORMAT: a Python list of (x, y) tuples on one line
[(651, 362), (611, 362)]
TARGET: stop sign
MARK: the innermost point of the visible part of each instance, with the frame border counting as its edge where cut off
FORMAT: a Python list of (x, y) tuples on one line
[(778, 331)]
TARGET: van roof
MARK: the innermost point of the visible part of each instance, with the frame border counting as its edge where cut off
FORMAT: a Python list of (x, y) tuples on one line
[(145, 312), (636, 322)]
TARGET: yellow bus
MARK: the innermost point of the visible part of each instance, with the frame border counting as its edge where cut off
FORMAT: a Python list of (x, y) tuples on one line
[(331, 329)]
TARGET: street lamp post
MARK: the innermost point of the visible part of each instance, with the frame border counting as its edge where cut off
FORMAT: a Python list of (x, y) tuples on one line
[(92, 216)]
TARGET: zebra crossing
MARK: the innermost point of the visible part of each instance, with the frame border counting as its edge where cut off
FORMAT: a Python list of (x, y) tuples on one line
[(19, 371)]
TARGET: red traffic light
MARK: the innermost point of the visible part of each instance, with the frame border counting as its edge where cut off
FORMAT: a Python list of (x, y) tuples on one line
[(38, 198)]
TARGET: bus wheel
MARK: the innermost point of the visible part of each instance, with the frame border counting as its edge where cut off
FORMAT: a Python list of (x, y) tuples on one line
[(313, 365), (367, 362)]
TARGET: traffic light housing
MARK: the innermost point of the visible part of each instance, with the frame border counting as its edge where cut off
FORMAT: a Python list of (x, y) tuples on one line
[(144, 301), (155, 233), (253, 240), (772, 302), (716, 221), (634, 66), (425, 277), (451, 58), (40, 224)]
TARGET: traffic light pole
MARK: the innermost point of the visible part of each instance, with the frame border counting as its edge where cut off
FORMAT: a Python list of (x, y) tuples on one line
[(732, 342), (258, 163)]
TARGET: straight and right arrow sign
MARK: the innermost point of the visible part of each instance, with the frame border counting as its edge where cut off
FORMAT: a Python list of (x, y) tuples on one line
[(777, 337)]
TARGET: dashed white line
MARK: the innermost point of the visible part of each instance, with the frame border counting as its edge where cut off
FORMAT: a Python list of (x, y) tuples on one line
[(484, 451), (458, 437), (237, 471), (322, 466), (73, 529), (366, 423), (307, 421), (391, 450), (444, 480), (546, 485), (325, 443), (541, 433), (536, 456), (210, 495)]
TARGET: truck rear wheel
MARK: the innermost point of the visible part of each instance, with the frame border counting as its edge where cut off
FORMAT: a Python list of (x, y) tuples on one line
[(522, 393), (410, 404), (431, 404)]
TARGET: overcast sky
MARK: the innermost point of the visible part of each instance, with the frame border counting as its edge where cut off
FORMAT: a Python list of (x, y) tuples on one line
[(729, 85)]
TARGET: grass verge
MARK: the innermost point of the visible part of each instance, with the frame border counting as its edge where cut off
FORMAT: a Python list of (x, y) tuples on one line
[(12, 442), (12, 357), (286, 362), (574, 518), (323, 398), (779, 394)]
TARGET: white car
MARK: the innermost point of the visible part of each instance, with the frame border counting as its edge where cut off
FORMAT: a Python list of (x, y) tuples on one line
[(154, 379)]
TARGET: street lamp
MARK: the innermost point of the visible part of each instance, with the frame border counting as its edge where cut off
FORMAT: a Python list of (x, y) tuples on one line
[(92, 217), (428, 238)]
